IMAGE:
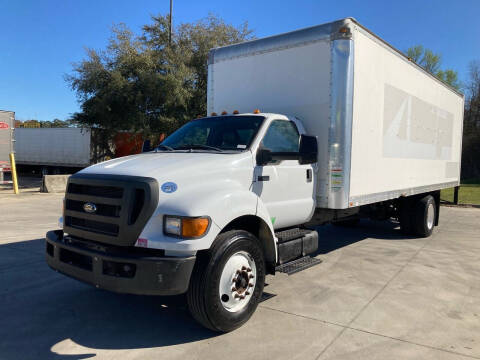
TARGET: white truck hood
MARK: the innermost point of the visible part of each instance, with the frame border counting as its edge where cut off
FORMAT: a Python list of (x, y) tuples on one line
[(163, 165)]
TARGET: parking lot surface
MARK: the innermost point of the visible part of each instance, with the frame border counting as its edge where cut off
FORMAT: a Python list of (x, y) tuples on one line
[(377, 295)]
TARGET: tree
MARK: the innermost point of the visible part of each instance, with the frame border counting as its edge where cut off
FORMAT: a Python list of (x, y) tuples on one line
[(140, 83), (31, 124), (471, 125), (431, 62)]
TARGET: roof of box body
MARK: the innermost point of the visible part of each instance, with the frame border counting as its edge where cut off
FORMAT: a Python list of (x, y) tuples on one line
[(305, 36)]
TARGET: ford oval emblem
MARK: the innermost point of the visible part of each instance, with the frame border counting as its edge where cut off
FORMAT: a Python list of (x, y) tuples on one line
[(89, 207), (169, 187)]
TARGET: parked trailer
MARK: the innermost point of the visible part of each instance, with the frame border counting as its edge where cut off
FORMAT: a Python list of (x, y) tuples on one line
[(51, 149), (348, 128)]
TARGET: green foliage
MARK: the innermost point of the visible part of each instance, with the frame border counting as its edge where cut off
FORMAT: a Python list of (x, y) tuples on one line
[(141, 83), (471, 125), (431, 62), (56, 123), (467, 194)]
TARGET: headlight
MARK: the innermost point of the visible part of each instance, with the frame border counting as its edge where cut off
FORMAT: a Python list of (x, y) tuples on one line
[(173, 225), (186, 227)]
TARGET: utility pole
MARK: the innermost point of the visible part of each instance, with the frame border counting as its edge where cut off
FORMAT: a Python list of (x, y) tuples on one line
[(170, 25)]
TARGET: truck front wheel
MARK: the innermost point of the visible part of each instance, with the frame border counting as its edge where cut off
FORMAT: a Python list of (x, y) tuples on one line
[(227, 281)]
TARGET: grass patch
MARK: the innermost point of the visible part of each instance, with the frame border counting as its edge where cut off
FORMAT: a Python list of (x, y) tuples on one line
[(469, 193)]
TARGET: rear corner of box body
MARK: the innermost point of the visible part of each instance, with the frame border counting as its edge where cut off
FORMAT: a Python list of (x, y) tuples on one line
[(407, 126)]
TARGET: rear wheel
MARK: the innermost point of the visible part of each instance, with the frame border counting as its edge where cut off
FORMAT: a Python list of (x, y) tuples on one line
[(424, 216), (227, 281), (417, 216)]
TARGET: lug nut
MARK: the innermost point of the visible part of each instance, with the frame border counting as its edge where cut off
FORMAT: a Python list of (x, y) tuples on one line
[(238, 272), (234, 288), (244, 268), (251, 276), (250, 285), (247, 293), (248, 269)]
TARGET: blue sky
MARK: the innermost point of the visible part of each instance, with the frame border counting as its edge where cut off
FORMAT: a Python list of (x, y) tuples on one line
[(39, 40)]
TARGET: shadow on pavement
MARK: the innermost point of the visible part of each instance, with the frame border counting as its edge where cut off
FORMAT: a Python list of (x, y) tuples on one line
[(331, 237)]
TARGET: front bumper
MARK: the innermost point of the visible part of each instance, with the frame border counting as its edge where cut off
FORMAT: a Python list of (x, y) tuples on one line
[(119, 272)]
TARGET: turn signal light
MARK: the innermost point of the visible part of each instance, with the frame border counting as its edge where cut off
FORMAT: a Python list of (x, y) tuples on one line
[(213, 114), (256, 111), (235, 112), (224, 112), (185, 227), (194, 227)]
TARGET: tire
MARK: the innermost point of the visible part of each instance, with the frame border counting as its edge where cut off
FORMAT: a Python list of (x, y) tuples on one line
[(213, 270), (347, 223), (424, 212)]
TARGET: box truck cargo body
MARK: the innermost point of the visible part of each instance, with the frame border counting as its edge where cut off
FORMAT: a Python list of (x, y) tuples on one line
[(328, 124), (385, 127)]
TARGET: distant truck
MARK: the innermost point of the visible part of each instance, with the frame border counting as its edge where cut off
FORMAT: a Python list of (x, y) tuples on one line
[(67, 150), (349, 128), (51, 150)]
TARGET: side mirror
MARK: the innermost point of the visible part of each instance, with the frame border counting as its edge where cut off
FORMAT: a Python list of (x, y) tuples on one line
[(308, 149), (264, 156)]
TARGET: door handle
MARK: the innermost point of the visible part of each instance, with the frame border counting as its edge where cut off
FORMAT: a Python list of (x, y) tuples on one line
[(309, 175), (263, 178)]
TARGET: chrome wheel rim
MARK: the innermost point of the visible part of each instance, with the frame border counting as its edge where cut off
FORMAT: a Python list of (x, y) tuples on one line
[(237, 281), (430, 216)]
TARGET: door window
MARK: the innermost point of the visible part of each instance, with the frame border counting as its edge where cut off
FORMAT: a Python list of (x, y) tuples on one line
[(281, 136)]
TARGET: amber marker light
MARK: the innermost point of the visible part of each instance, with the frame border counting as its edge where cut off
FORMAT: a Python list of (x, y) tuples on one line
[(224, 112), (213, 114), (256, 111), (235, 112), (194, 227)]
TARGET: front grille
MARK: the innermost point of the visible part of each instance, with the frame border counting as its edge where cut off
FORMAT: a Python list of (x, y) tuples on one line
[(102, 209), (91, 225), (109, 209), (104, 191), (138, 203)]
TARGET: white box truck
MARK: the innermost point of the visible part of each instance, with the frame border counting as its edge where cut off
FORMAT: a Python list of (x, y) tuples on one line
[(51, 149), (345, 127)]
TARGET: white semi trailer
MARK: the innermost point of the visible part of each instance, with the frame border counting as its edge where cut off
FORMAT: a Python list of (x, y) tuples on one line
[(348, 128), (51, 149)]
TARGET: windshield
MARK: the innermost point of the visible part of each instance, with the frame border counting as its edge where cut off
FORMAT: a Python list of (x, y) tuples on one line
[(215, 133)]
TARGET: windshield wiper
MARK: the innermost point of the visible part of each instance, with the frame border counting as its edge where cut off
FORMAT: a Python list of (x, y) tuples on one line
[(164, 147), (199, 146)]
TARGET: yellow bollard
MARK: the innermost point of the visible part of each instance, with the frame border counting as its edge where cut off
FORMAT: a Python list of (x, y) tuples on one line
[(14, 173)]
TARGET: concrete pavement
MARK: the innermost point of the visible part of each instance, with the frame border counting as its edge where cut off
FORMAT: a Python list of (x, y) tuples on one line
[(377, 295)]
